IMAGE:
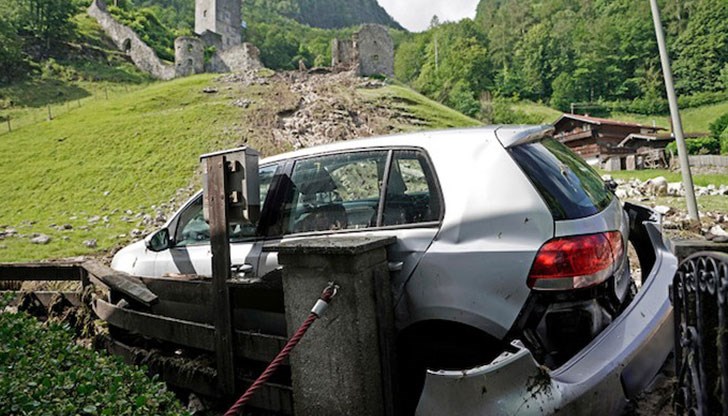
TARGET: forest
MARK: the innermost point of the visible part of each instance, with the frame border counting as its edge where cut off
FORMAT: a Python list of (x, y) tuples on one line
[(557, 52), (560, 52)]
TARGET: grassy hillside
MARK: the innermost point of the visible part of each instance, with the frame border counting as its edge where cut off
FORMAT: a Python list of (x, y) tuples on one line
[(695, 119), (100, 167)]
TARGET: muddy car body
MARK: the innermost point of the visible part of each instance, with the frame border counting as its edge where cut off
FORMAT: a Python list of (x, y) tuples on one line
[(502, 234)]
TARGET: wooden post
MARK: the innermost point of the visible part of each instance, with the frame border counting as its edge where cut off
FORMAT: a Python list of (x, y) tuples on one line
[(216, 169), (50, 116)]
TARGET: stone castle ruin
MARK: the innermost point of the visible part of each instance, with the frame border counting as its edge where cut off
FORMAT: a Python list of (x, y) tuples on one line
[(217, 26), (369, 52)]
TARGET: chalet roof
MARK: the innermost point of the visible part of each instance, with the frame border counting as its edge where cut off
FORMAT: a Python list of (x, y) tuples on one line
[(603, 121), (645, 138)]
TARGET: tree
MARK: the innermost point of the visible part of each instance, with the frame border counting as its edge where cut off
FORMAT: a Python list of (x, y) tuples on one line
[(46, 22), (12, 59), (702, 48)]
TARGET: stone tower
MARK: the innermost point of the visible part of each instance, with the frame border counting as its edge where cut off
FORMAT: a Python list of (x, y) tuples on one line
[(223, 17)]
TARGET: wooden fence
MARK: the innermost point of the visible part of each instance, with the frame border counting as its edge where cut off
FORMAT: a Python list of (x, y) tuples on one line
[(178, 316), (709, 160)]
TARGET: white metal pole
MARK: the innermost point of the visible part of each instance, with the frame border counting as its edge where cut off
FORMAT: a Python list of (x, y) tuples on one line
[(675, 114)]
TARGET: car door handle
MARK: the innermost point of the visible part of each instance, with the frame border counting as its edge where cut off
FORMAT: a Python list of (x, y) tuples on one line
[(238, 270), (395, 266)]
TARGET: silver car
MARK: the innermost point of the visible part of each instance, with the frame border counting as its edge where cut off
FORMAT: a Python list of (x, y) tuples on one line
[(509, 248)]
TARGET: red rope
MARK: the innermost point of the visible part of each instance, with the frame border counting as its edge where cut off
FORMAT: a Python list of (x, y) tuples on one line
[(273, 366)]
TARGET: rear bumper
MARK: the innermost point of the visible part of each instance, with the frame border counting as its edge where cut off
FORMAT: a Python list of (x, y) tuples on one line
[(615, 367)]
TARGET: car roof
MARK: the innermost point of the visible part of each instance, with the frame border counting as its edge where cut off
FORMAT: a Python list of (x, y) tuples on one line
[(507, 135)]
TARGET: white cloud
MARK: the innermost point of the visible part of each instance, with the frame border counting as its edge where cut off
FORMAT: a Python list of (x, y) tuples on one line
[(415, 15)]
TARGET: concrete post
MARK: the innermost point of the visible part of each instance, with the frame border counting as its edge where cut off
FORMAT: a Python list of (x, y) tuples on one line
[(344, 365)]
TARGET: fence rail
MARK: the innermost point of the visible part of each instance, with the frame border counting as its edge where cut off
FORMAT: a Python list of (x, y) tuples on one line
[(708, 160)]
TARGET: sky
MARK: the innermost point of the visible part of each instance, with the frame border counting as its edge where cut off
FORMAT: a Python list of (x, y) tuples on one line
[(415, 15)]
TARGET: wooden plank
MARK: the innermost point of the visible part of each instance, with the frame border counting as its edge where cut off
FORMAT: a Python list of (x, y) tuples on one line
[(250, 345), (56, 271), (122, 282), (216, 201), (257, 298), (258, 347), (185, 333), (182, 291)]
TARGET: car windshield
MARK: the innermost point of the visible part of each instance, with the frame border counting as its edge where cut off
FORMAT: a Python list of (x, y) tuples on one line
[(569, 186)]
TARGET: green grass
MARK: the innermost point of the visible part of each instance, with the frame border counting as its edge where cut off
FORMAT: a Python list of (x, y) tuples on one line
[(706, 203), (716, 179), (432, 114), (139, 148), (544, 113), (695, 120)]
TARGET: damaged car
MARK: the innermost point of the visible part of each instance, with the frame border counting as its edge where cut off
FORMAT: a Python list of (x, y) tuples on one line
[(513, 292)]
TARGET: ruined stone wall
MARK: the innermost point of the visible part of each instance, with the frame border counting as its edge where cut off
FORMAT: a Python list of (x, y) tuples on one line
[(128, 41), (343, 54), (375, 50), (242, 58), (220, 16), (189, 56)]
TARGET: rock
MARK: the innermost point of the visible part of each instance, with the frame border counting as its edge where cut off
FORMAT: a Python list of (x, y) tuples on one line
[(195, 405), (242, 103), (3, 246), (67, 227), (209, 90), (128, 212), (106, 193), (662, 209), (94, 219), (90, 243), (656, 186), (675, 189), (717, 230), (621, 193), (41, 239), (135, 232)]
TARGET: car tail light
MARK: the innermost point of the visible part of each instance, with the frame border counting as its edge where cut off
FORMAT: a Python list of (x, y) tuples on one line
[(576, 262)]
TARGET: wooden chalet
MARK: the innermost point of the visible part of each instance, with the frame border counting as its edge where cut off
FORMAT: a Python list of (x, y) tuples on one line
[(599, 139)]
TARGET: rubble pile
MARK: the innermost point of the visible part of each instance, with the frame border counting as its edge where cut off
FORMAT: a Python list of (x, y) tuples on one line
[(676, 222)]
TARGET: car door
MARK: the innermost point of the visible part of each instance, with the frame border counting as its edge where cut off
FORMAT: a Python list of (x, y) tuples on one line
[(342, 193), (191, 254)]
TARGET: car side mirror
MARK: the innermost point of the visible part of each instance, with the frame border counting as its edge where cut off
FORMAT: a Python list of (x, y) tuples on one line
[(158, 241)]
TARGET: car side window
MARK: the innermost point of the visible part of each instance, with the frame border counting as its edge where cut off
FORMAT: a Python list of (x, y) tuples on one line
[(412, 196), (193, 229), (335, 192)]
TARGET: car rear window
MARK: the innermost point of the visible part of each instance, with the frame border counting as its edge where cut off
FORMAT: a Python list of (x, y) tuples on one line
[(570, 187)]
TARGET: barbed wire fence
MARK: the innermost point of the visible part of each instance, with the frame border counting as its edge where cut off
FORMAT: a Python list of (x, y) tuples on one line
[(17, 118)]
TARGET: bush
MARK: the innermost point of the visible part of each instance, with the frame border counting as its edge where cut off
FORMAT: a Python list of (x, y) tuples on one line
[(724, 142), (43, 372), (700, 146), (649, 106), (718, 126)]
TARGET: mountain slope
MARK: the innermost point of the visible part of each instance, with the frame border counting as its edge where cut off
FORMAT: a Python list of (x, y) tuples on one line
[(106, 171), (332, 14)]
